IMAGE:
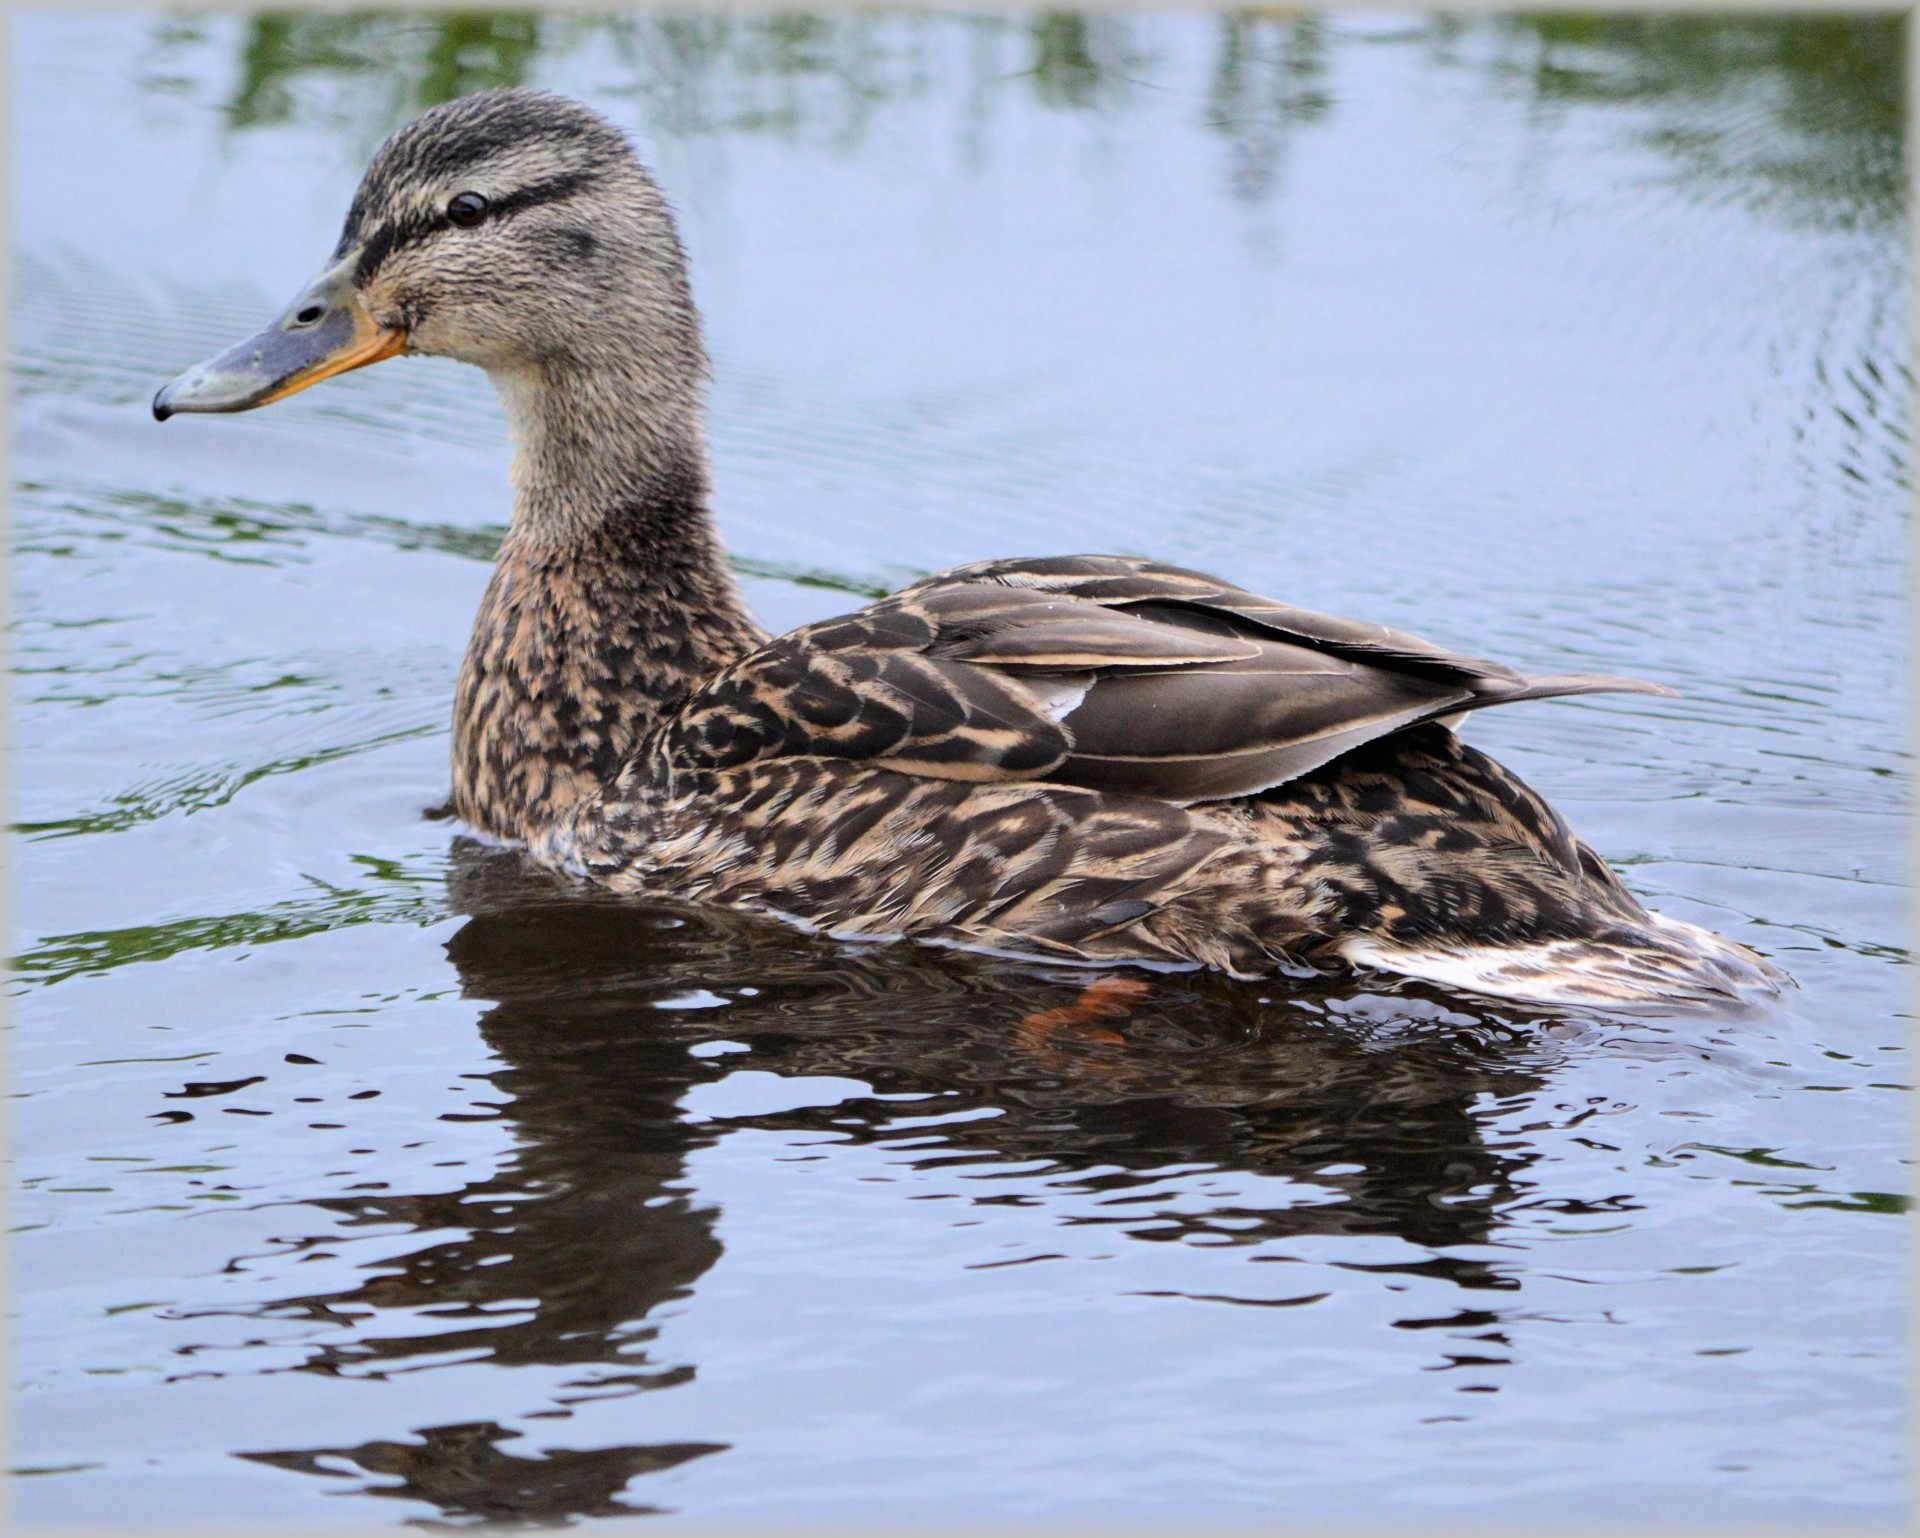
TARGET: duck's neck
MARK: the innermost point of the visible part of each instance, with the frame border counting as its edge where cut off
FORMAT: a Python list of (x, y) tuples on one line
[(610, 602)]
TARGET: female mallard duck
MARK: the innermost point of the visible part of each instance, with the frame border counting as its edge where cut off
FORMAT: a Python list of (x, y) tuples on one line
[(1083, 758)]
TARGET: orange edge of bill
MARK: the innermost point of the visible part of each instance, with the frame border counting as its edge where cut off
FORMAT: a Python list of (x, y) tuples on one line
[(381, 343)]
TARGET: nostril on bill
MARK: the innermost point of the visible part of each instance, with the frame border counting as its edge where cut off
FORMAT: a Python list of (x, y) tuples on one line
[(310, 314)]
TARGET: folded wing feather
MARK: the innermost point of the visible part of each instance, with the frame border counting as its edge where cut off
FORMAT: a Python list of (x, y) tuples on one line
[(1105, 671)]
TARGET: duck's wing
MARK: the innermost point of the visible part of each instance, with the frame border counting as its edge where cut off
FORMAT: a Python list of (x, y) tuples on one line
[(1104, 671)]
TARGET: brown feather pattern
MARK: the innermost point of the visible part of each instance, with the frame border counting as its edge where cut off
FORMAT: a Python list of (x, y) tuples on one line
[(1087, 758), (1180, 688)]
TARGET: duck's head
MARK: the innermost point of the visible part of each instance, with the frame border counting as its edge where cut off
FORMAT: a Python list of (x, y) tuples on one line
[(515, 230)]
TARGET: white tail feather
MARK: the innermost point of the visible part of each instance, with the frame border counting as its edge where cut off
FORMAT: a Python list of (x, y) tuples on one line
[(1668, 963)]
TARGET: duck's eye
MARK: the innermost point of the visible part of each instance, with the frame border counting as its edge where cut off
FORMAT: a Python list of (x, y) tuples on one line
[(467, 209)]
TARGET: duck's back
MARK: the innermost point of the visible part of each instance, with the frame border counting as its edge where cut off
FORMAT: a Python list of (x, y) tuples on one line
[(1106, 759)]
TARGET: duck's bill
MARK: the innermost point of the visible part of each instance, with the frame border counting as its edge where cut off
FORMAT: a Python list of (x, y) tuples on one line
[(324, 332)]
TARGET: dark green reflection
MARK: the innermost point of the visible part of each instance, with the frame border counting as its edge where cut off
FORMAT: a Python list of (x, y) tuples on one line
[(1271, 78), (1077, 58), (392, 894), (195, 790), (1796, 115), (428, 56)]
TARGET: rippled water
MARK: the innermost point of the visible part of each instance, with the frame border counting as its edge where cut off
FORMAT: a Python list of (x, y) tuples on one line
[(365, 1174)]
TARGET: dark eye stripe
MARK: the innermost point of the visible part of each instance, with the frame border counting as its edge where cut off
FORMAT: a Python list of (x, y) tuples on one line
[(392, 236), (554, 190), (410, 229)]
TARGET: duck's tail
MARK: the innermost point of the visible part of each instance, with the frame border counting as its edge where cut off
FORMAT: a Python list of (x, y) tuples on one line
[(1660, 962), (1432, 861)]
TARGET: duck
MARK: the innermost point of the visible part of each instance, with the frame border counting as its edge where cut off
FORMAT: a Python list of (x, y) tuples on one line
[(1098, 760)]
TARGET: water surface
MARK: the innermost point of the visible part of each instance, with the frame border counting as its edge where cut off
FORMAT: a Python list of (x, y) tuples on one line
[(365, 1174)]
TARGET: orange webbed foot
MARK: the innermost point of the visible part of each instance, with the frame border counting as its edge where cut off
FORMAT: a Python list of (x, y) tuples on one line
[(1111, 998)]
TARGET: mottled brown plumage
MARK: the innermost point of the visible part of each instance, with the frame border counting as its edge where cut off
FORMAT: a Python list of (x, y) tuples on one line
[(1086, 758), (1103, 671), (580, 647)]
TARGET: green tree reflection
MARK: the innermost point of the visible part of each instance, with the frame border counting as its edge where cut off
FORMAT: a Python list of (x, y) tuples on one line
[(1798, 116), (1271, 76), (1079, 60), (787, 75), (425, 57)]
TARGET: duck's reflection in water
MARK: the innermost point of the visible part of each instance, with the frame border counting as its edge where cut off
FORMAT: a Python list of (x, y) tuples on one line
[(572, 1246)]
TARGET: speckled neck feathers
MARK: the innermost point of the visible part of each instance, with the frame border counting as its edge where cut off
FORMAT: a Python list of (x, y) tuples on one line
[(579, 648), (610, 603)]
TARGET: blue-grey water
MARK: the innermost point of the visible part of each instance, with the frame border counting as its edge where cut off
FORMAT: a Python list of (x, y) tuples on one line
[(364, 1174)]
